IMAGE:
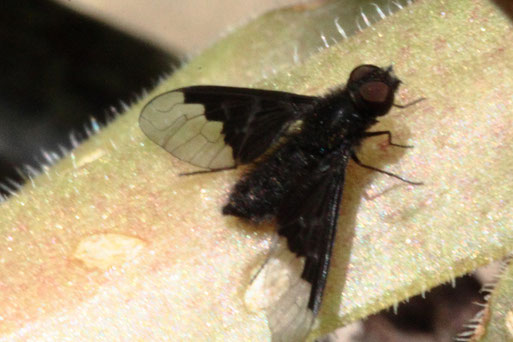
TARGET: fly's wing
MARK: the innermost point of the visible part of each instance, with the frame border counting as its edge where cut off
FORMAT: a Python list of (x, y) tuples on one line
[(219, 127), (292, 281)]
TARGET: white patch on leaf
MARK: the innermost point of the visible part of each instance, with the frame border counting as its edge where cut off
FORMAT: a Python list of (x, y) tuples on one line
[(106, 250)]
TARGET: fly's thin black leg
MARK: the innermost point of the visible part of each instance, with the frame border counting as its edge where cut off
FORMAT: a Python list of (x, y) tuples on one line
[(389, 134), (207, 171), (357, 161)]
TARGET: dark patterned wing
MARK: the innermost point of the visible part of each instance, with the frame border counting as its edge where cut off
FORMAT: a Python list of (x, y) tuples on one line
[(219, 127), (308, 220), (295, 274)]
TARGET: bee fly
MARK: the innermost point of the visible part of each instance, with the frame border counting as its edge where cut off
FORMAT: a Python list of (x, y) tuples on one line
[(299, 147)]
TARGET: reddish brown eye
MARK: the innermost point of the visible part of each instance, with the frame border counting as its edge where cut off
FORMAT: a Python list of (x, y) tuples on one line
[(361, 72), (374, 91)]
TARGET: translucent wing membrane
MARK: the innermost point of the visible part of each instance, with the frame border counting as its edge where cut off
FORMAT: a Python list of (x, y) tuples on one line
[(217, 127), (183, 130), (279, 289)]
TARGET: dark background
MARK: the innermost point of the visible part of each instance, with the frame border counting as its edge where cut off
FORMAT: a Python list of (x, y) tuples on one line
[(58, 70)]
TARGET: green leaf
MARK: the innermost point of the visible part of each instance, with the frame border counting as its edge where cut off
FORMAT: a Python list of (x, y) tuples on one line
[(110, 243)]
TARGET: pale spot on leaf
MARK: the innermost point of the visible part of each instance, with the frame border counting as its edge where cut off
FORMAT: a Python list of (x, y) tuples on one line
[(106, 250), (90, 157)]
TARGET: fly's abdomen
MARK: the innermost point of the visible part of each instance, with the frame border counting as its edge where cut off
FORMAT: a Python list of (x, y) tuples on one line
[(258, 194)]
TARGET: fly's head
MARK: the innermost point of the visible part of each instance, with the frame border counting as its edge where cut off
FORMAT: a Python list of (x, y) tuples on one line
[(372, 89)]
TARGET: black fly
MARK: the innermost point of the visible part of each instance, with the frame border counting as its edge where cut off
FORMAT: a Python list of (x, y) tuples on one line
[(299, 147)]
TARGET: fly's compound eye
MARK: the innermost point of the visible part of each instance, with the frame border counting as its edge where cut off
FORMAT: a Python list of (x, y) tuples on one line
[(372, 89), (375, 91)]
